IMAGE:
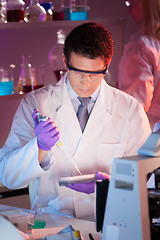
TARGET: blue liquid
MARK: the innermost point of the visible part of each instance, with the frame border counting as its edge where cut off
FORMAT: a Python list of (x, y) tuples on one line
[(66, 11), (6, 88), (78, 16)]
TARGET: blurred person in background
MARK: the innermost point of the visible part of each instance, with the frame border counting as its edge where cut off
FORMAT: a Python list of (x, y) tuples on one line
[(139, 69)]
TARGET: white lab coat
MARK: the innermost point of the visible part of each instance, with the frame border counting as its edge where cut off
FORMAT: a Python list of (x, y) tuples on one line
[(117, 126), (139, 73)]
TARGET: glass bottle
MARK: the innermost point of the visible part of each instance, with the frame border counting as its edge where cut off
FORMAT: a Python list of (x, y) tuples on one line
[(58, 13), (35, 12), (66, 9), (48, 6), (3, 10), (39, 221), (15, 10), (55, 56)]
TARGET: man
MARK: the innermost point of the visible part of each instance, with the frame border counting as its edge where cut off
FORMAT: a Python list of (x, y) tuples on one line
[(117, 126)]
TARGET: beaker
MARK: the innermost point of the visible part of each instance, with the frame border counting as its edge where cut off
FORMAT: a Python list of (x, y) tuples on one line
[(78, 10), (6, 80), (15, 10), (58, 13)]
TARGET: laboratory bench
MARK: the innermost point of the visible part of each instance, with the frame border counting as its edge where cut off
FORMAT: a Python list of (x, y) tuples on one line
[(54, 223)]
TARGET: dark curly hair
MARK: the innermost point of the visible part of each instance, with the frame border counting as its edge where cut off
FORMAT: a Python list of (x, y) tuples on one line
[(90, 40)]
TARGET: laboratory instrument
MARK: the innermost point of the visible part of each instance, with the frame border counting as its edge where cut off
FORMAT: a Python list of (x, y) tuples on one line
[(60, 144), (127, 214)]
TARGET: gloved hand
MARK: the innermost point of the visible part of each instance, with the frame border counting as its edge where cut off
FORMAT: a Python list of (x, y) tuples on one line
[(88, 188), (46, 132), (156, 127)]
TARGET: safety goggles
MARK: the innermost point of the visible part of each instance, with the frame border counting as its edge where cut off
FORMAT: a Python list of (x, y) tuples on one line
[(82, 74)]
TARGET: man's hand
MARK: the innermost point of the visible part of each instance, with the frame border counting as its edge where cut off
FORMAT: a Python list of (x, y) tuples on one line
[(46, 132), (88, 188)]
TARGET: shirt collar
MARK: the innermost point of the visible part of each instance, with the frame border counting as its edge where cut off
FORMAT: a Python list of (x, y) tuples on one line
[(73, 94)]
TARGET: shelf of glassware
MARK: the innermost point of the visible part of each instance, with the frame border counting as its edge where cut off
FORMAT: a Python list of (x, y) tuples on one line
[(62, 23), (38, 38)]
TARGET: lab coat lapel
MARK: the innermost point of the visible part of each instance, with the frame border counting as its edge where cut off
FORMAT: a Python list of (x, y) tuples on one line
[(100, 114), (66, 118), (67, 122)]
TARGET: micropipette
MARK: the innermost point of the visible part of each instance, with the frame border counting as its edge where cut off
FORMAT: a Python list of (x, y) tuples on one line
[(59, 144)]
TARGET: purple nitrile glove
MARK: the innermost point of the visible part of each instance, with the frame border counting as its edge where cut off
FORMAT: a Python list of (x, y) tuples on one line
[(88, 188), (156, 127), (83, 187), (102, 176), (46, 132)]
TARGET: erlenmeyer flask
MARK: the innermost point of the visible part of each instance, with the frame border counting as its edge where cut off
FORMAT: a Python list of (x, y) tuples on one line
[(55, 56), (27, 78), (35, 12)]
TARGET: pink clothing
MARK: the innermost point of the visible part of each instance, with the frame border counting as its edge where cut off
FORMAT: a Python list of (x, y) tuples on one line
[(139, 74)]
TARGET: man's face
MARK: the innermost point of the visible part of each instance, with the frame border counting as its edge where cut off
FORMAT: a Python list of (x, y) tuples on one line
[(81, 82)]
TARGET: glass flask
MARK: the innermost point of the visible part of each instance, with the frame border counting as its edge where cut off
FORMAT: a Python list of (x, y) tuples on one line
[(15, 10), (39, 221), (55, 56), (27, 78), (48, 6), (35, 12), (3, 10)]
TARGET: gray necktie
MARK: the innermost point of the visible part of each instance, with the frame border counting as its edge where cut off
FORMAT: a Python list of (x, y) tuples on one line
[(82, 113)]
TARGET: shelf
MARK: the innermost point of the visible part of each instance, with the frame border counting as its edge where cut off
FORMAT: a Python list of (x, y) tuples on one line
[(29, 25), (12, 96)]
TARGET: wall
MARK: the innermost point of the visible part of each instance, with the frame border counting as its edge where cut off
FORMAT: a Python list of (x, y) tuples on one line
[(109, 9), (113, 9)]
